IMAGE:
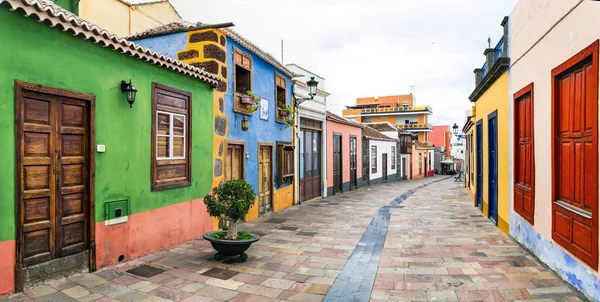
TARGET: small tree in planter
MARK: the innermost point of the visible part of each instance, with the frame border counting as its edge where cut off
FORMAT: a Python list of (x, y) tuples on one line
[(230, 202)]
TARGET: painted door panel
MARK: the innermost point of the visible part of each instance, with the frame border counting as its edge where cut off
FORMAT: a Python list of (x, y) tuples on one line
[(524, 168), (54, 169), (576, 159), (265, 179), (493, 169), (310, 177), (337, 164), (479, 192)]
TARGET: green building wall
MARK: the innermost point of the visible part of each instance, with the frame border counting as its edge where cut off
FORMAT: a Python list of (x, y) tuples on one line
[(35, 53)]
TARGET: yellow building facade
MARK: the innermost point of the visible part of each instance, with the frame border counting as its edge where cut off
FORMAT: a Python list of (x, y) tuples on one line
[(490, 140), (495, 99), (127, 18)]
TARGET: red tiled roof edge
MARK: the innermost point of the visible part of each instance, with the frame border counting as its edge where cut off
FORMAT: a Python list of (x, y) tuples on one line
[(66, 21), (184, 26), (340, 120)]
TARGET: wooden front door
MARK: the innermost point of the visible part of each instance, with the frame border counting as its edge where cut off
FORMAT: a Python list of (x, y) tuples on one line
[(384, 173), (310, 164), (53, 173), (337, 164), (352, 162), (575, 155), (265, 179), (234, 161), (524, 158)]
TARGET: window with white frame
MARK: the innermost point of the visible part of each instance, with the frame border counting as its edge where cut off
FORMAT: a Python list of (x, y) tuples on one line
[(171, 135)]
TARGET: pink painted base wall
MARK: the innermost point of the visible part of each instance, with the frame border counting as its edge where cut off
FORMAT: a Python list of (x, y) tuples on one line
[(346, 131), (7, 266), (151, 231)]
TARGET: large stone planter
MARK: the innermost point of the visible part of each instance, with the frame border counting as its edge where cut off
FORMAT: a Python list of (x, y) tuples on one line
[(230, 248)]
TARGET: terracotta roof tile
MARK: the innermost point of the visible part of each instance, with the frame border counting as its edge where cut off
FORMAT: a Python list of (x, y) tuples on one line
[(387, 126), (183, 26), (340, 120), (56, 16), (370, 133)]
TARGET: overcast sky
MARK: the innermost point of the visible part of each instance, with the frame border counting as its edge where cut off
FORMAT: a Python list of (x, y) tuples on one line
[(372, 48)]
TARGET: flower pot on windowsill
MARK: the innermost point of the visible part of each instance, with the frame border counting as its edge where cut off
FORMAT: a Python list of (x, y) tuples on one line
[(282, 112), (246, 99)]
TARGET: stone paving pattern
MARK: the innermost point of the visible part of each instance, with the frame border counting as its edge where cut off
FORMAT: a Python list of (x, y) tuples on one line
[(437, 248)]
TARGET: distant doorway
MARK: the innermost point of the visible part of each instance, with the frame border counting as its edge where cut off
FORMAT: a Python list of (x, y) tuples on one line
[(353, 162), (337, 164), (479, 185), (384, 167), (493, 167)]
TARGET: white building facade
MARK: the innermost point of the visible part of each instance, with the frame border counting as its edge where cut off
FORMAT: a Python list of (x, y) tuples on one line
[(311, 146)]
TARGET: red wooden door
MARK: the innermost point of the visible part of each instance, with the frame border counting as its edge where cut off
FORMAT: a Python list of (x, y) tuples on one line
[(54, 176), (524, 164), (575, 207)]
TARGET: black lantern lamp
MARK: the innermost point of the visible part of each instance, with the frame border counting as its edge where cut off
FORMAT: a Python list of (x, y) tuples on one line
[(244, 124), (455, 129), (312, 87), (128, 89), (455, 132), (312, 91)]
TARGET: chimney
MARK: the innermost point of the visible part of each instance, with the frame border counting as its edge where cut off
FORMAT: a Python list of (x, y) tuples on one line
[(506, 31), (477, 73), (489, 58)]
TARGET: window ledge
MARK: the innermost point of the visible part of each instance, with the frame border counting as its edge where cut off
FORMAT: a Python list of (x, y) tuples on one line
[(168, 186)]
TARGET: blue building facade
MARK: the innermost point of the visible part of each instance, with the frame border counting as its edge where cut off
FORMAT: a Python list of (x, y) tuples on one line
[(253, 140)]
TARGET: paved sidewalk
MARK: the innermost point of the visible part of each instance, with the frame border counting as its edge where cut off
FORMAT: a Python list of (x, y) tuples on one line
[(440, 248), (437, 247)]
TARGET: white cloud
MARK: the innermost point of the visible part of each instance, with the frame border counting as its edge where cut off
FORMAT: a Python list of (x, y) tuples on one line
[(372, 48)]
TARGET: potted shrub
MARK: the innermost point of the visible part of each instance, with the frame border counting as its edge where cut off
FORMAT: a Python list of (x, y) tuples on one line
[(231, 203)]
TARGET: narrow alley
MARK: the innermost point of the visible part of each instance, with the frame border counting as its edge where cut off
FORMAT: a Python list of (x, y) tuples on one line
[(419, 240)]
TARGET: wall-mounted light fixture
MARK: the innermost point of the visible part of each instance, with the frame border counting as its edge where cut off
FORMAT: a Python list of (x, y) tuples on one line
[(244, 124), (312, 91), (130, 91)]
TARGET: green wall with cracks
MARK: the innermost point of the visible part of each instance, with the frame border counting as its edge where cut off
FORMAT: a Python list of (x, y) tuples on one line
[(33, 52)]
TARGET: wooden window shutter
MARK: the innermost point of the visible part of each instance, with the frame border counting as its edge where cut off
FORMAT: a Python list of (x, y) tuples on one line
[(171, 172), (285, 161), (575, 155)]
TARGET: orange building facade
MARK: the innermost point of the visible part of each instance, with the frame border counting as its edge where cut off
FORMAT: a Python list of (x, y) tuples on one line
[(399, 110), (440, 137)]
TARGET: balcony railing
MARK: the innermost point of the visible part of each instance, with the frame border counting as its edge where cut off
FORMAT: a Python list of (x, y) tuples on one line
[(415, 126), (498, 51), (398, 109)]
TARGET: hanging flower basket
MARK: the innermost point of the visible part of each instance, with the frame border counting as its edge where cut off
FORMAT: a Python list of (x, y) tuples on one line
[(246, 99)]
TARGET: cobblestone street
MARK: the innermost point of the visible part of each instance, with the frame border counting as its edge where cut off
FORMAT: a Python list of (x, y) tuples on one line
[(418, 240)]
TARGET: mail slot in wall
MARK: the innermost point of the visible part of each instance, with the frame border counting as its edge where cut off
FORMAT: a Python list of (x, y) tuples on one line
[(116, 212)]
